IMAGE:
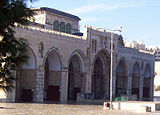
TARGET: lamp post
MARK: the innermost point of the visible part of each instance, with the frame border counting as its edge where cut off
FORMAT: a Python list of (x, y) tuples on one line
[(111, 72)]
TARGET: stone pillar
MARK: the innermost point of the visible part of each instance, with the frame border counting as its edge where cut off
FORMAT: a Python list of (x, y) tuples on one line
[(88, 82), (141, 87), (151, 88), (38, 93), (83, 82), (64, 85), (129, 83)]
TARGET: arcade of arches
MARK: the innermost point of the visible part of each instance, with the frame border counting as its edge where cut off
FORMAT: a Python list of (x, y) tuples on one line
[(76, 80)]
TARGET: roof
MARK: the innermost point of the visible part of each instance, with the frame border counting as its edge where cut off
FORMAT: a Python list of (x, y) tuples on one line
[(60, 13)]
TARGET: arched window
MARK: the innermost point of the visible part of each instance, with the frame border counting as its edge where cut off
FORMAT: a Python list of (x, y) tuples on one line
[(56, 25), (62, 27), (68, 28)]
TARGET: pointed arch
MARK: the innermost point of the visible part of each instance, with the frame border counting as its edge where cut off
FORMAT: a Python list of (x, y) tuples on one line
[(100, 77), (121, 77), (136, 79), (57, 52), (147, 82), (26, 76), (76, 83), (53, 65), (81, 56)]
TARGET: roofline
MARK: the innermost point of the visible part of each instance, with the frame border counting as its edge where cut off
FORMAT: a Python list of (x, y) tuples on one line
[(55, 11)]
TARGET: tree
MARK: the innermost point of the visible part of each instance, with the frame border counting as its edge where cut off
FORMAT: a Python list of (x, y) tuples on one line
[(13, 51)]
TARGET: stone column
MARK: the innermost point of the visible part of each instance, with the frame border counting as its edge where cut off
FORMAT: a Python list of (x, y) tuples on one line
[(64, 85), (38, 93), (88, 82), (83, 82), (151, 88), (129, 83), (141, 87)]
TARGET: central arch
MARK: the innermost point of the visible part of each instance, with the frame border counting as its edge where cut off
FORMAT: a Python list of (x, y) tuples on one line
[(121, 78), (52, 77), (75, 80), (100, 77), (136, 79)]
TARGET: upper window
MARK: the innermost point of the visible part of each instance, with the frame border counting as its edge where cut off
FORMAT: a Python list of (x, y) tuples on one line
[(68, 28), (56, 25), (62, 27)]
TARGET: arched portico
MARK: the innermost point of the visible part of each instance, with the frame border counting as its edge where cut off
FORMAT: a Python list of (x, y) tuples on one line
[(147, 83), (52, 76), (75, 76), (26, 76), (135, 80), (100, 77), (121, 78)]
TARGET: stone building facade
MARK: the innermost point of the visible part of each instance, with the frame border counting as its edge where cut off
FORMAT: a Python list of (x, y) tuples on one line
[(65, 63)]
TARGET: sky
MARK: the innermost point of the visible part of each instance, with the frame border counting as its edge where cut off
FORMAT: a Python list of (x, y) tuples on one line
[(140, 19)]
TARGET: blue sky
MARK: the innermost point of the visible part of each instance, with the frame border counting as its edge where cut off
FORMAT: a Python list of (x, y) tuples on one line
[(140, 19)]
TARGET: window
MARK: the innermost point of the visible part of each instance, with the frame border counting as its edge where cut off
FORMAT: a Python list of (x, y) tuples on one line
[(68, 28), (56, 25), (62, 27)]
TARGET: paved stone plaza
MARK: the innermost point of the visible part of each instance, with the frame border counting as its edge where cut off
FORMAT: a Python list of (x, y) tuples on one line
[(61, 109)]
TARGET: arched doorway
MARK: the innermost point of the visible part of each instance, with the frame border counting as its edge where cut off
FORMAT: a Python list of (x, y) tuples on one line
[(100, 77), (26, 75), (135, 80), (121, 78), (74, 77), (147, 83), (52, 77)]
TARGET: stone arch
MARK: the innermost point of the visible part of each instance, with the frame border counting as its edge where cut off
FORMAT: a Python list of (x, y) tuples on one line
[(26, 76), (136, 79), (52, 74), (100, 77), (122, 77), (103, 50), (58, 53), (76, 80), (147, 82), (81, 55)]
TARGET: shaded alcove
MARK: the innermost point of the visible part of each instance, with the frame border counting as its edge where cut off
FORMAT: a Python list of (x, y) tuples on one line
[(26, 76), (100, 77), (121, 78), (147, 83), (52, 77), (75, 77), (135, 80)]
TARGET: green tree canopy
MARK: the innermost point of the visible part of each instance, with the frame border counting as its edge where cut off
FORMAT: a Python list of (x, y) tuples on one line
[(13, 50)]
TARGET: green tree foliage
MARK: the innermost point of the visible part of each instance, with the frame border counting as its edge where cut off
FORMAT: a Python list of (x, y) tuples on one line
[(13, 51)]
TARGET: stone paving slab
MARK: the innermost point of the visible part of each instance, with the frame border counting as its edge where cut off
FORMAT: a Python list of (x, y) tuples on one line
[(61, 109)]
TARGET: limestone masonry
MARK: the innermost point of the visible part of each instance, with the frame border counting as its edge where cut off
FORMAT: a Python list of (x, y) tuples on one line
[(66, 64)]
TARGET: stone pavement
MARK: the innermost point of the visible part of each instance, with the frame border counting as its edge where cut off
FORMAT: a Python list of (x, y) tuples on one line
[(61, 109)]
